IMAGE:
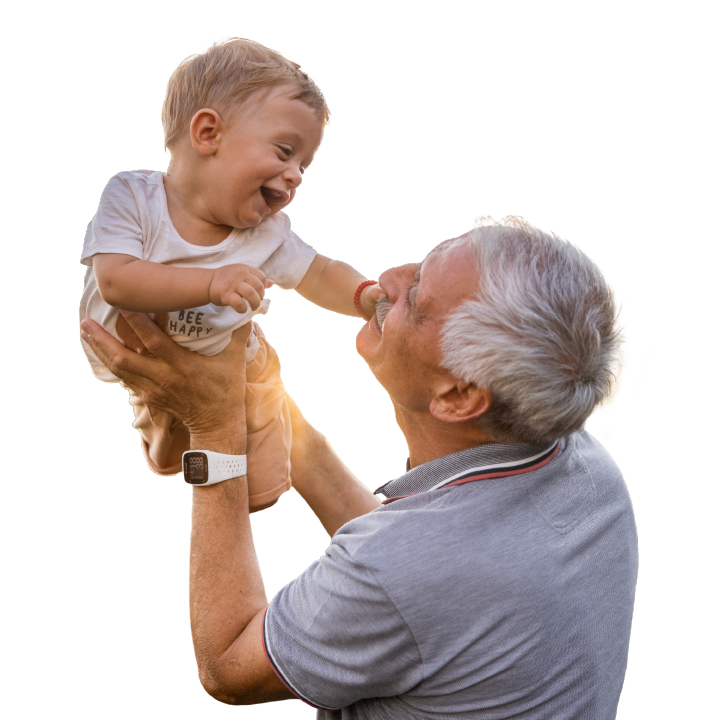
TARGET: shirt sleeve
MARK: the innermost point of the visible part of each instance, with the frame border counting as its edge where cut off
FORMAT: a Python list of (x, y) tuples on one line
[(116, 227), (288, 264), (334, 637)]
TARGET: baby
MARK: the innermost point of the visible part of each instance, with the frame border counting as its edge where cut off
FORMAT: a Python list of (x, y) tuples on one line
[(197, 246)]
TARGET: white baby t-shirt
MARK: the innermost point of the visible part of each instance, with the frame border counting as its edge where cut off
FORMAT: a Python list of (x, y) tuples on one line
[(132, 219)]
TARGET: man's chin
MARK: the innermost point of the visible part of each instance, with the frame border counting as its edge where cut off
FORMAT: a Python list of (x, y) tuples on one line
[(368, 339)]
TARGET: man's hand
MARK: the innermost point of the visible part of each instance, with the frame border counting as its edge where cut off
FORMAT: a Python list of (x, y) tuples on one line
[(237, 286), (368, 297), (206, 393)]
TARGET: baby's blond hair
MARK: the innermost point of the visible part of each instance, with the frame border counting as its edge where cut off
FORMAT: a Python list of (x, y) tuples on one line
[(226, 75)]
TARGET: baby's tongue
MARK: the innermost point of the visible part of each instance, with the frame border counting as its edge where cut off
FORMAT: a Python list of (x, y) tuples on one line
[(273, 196)]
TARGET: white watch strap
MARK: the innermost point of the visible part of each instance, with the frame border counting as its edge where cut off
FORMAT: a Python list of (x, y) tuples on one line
[(219, 467)]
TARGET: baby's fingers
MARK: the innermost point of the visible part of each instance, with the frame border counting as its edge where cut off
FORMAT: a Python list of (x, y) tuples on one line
[(237, 303), (251, 283), (375, 293), (247, 293), (259, 274)]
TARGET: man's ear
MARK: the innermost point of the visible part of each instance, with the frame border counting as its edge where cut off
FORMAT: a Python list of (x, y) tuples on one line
[(459, 401), (205, 129)]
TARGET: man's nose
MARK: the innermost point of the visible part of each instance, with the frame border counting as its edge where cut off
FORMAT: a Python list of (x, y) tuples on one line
[(397, 280)]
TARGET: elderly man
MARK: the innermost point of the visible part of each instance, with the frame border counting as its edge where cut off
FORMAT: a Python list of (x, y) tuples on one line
[(497, 578)]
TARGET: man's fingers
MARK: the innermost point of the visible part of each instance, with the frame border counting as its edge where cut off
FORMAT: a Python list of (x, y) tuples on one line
[(239, 337), (238, 342), (151, 336), (121, 362)]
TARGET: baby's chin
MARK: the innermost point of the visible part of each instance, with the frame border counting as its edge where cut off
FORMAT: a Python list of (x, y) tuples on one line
[(275, 209)]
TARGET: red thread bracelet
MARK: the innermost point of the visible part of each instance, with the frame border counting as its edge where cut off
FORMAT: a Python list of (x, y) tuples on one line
[(356, 299)]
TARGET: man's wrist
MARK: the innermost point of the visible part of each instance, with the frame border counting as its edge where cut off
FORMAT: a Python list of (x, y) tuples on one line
[(225, 441)]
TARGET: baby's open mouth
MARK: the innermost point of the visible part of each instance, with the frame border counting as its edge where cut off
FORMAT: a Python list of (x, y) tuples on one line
[(274, 197)]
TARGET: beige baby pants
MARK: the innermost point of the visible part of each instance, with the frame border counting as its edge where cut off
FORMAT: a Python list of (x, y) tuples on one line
[(165, 438)]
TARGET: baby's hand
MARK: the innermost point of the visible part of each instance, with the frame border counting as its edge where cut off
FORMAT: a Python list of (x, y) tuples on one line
[(238, 286), (368, 297)]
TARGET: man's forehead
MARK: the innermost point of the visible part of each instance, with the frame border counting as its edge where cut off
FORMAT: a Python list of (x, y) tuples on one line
[(446, 247), (446, 270)]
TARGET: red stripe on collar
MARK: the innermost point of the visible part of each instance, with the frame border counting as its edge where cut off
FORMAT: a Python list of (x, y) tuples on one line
[(475, 478)]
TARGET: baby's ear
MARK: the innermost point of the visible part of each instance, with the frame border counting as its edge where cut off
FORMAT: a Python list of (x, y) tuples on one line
[(205, 131)]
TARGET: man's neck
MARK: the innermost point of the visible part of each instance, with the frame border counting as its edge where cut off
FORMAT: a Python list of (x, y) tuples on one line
[(429, 439)]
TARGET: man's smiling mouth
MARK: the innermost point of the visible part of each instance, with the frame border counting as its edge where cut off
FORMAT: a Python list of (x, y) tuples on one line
[(382, 308)]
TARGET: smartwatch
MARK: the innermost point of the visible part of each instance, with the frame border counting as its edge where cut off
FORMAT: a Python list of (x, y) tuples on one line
[(204, 467)]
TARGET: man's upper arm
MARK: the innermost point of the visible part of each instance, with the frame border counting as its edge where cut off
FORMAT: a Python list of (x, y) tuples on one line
[(244, 674), (335, 637)]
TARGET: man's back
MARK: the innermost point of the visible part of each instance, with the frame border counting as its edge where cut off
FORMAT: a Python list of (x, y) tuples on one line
[(499, 598)]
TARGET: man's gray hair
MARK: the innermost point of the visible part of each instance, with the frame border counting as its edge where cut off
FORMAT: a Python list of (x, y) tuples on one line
[(541, 333)]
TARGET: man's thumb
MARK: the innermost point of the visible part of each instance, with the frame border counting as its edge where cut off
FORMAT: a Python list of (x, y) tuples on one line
[(239, 339)]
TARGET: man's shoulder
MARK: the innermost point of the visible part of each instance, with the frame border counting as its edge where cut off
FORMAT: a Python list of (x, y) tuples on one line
[(581, 480), (598, 458)]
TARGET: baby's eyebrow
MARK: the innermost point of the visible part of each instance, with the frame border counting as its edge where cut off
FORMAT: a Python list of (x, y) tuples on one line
[(290, 134)]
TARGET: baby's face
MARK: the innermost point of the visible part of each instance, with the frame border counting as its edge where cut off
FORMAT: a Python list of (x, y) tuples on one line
[(262, 154)]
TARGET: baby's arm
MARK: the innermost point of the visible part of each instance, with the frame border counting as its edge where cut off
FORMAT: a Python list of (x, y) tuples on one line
[(331, 284), (127, 283)]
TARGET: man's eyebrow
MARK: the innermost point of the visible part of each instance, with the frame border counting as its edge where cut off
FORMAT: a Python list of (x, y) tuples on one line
[(410, 296)]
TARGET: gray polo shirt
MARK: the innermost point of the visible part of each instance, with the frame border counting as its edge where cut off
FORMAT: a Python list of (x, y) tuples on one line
[(497, 582)]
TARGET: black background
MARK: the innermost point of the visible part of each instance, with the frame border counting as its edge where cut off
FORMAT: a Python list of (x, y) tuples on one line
[(426, 133)]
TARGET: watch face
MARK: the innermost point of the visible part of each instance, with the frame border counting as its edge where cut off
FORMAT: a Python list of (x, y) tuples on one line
[(195, 468)]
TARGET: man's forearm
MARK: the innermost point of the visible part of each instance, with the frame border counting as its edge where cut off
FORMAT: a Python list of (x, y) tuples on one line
[(227, 596), (333, 493)]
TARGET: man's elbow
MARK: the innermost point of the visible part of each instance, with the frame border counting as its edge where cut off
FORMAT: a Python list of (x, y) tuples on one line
[(217, 692)]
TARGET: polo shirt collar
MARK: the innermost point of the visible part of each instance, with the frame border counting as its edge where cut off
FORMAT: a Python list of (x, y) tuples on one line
[(477, 463)]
